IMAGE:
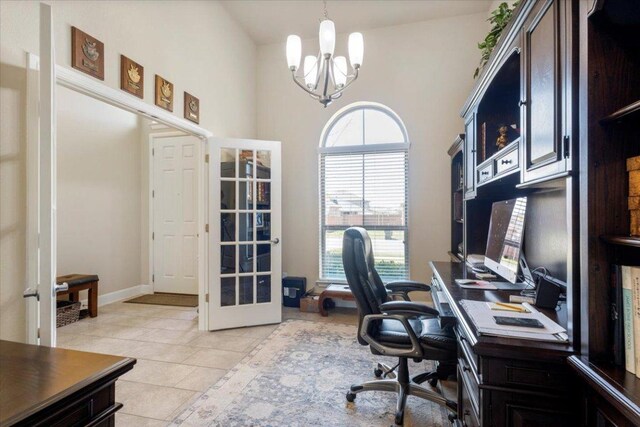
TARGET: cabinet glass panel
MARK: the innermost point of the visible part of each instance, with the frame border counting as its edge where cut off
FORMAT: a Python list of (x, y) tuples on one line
[(264, 164), (227, 195), (264, 257), (246, 227), (263, 195), (263, 226), (227, 259), (228, 163), (263, 288), (246, 259), (227, 291), (246, 290)]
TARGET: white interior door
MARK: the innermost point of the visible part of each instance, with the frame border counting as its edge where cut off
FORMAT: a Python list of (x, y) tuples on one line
[(245, 270), (175, 214), (41, 185)]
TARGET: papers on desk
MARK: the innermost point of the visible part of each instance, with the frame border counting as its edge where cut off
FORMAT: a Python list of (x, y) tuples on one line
[(483, 318), (475, 284)]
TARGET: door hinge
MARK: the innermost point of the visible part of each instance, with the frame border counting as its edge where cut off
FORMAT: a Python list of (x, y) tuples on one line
[(206, 297), (153, 193), (153, 151), (566, 148), (153, 235), (206, 158), (206, 228), (153, 278)]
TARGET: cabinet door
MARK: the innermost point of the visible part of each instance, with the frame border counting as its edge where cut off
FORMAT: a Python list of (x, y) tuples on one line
[(470, 157), (542, 97)]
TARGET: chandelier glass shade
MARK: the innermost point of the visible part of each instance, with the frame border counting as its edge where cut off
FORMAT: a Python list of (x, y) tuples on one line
[(325, 76)]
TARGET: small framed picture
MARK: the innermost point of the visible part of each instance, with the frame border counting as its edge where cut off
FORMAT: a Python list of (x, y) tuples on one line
[(131, 77), (87, 53), (191, 108), (164, 93), (259, 220)]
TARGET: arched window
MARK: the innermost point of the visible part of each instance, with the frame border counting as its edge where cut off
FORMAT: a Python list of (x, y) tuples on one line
[(364, 152)]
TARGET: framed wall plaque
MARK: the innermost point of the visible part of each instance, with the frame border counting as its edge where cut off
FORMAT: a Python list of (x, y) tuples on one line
[(164, 93), (191, 108), (131, 77), (87, 53)]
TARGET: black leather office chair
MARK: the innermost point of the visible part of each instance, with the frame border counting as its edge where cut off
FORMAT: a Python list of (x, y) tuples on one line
[(402, 329)]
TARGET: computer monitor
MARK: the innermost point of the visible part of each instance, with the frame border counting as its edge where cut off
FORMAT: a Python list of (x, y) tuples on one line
[(506, 232)]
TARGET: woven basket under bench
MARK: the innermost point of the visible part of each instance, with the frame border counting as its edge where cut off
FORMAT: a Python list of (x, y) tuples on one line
[(67, 312)]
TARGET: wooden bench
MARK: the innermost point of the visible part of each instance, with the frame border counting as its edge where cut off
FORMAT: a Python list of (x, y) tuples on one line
[(334, 291), (81, 282)]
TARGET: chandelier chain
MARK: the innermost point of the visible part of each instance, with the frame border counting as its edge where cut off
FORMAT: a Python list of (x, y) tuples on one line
[(326, 14)]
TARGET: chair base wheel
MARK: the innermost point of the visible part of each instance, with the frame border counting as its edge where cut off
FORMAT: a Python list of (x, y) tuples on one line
[(378, 372), (399, 418), (351, 396), (433, 382)]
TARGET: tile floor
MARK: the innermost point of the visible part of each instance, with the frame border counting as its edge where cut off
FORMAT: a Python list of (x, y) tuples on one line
[(176, 362)]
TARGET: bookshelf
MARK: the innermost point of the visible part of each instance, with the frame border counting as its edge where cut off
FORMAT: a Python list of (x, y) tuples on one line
[(609, 102)]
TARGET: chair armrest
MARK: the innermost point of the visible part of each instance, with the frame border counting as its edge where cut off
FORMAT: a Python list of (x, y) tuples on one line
[(407, 286), (407, 308), (415, 350)]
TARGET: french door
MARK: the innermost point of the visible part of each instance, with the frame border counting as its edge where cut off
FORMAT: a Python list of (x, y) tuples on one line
[(244, 227)]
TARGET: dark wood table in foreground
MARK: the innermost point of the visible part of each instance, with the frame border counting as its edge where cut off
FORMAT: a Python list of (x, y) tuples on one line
[(44, 386)]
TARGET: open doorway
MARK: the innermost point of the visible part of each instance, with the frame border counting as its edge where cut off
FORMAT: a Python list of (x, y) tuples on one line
[(113, 203)]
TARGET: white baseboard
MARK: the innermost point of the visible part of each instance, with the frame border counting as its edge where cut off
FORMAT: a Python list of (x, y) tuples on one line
[(120, 295)]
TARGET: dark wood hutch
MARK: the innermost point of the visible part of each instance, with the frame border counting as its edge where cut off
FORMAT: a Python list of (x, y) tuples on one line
[(563, 83)]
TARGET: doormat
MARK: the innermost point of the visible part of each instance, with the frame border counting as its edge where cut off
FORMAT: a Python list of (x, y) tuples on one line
[(298, 377), (161, 298)]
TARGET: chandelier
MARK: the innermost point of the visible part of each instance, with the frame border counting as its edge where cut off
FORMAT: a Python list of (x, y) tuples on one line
[(325, 76)]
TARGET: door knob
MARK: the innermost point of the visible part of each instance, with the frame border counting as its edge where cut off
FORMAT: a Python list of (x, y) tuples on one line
[(64, 286), (31, 292), (275, 241)]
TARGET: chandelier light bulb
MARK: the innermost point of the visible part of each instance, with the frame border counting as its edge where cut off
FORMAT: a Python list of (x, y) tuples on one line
[(340, 71), (310, 71), (294, 52), (356, 49), (327, 37)]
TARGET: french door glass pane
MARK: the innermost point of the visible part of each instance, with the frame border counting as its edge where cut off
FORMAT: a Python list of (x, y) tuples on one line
[(263, 288), (246, 164), (246, 227), (228, 195), (263, 226), (227, 291), (246, 290), (264, 257), (228, 162), (228, 227), (263, 199), (244, 195), (246, 259), (227, 259), (264, 164)]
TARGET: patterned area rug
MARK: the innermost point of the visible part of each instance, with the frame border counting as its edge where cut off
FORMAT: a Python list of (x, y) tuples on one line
[(299, 376)]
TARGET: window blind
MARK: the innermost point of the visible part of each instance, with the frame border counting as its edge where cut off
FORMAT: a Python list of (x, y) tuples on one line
[(367, 189)]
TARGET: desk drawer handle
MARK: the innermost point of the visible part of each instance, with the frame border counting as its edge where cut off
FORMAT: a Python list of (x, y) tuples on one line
[(506, 162), (466, 369), (485, 172)]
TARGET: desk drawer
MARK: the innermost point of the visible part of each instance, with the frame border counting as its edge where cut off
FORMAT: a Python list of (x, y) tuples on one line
[(525, 374), (485, 174), (507, 162)]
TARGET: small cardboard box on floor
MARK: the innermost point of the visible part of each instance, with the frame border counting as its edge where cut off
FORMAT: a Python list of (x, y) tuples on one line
[(633, 167), (310, 304)]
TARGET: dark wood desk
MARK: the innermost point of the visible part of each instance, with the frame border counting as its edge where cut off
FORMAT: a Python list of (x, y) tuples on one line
[(503, 381), (44, 386)]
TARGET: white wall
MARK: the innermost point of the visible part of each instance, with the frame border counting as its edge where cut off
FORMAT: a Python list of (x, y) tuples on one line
[(99, 187), (194, 44), (422, 71)]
